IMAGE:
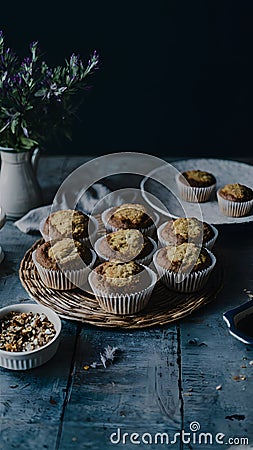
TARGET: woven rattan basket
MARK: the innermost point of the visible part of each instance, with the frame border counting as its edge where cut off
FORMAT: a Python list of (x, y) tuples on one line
[(164, 307)]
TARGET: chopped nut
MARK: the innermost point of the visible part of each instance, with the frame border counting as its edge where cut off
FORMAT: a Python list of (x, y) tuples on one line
[(21, 332)]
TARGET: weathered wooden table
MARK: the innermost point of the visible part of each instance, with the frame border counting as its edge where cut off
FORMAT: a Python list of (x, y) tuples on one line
[(190, 375)]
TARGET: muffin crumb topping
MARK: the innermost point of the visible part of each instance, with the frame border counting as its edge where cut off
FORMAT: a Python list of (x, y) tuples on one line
[(236, 192), (198, 178), (184, 257), (187, 229), (67, 223), (129, 215)]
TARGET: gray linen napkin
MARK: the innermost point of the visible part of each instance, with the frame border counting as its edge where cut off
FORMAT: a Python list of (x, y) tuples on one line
[(31, 220)]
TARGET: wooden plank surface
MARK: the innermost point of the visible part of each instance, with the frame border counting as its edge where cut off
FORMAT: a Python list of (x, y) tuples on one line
[(138, 393), (162, 380), (216, 371)]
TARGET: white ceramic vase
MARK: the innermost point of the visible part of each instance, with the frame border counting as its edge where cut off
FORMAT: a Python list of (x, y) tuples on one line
[(19, 188)]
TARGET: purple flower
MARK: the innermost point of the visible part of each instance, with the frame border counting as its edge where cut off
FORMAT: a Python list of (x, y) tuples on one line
[(33, 44), (26, 61), (17, 79)]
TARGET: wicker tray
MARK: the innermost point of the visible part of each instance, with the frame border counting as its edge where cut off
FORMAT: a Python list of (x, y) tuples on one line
[(165, 306)]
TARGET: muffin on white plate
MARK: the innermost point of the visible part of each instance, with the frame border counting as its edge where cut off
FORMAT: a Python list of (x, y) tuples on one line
[(184, 267), (196, 185), (126, 245), (184, 229), (235, 200), (122, 287)]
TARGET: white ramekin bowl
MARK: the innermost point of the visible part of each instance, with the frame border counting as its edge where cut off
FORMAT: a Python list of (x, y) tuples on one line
[(34, 358)]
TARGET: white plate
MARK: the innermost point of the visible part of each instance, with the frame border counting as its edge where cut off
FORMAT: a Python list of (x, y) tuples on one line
[(225, 172), (2, 217)]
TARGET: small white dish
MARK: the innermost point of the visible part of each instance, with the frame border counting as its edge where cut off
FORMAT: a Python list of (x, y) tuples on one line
[(34, 358)]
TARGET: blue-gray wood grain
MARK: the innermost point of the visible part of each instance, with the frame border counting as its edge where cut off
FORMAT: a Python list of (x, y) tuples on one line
[(162, 380)]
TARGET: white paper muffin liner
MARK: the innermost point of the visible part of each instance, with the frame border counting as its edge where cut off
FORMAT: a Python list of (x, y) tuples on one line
[(144, 261), (148, 231), (209, 244), (124, 303), (234, 209), (64, 280), (190, 282), (86, 241), (194, 194)]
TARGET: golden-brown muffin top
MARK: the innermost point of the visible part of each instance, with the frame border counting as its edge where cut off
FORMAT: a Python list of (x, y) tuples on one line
[(66, 223), (236, 192), (184, 257), (186, 229), (129, 215), (114, 277), (63, 254), (198, 178)]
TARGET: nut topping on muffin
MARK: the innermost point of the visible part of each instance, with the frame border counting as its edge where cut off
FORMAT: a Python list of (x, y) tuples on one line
[(125, 245), (186, 229), (198, 178), (63, 254), (184, 257), (129, 215), (115, 276), (66, 223), (126, 241), (236, 192)]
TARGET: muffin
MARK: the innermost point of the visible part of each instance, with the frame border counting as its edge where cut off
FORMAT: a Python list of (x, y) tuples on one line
[(175, 232), (235, 200), (68, 223), (122, 287), (184, 267), (130, 216), (63, 264), (196, 185), (126, 245)]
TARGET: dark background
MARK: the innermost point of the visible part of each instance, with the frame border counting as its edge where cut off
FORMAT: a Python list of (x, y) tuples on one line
[(175, 76)]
